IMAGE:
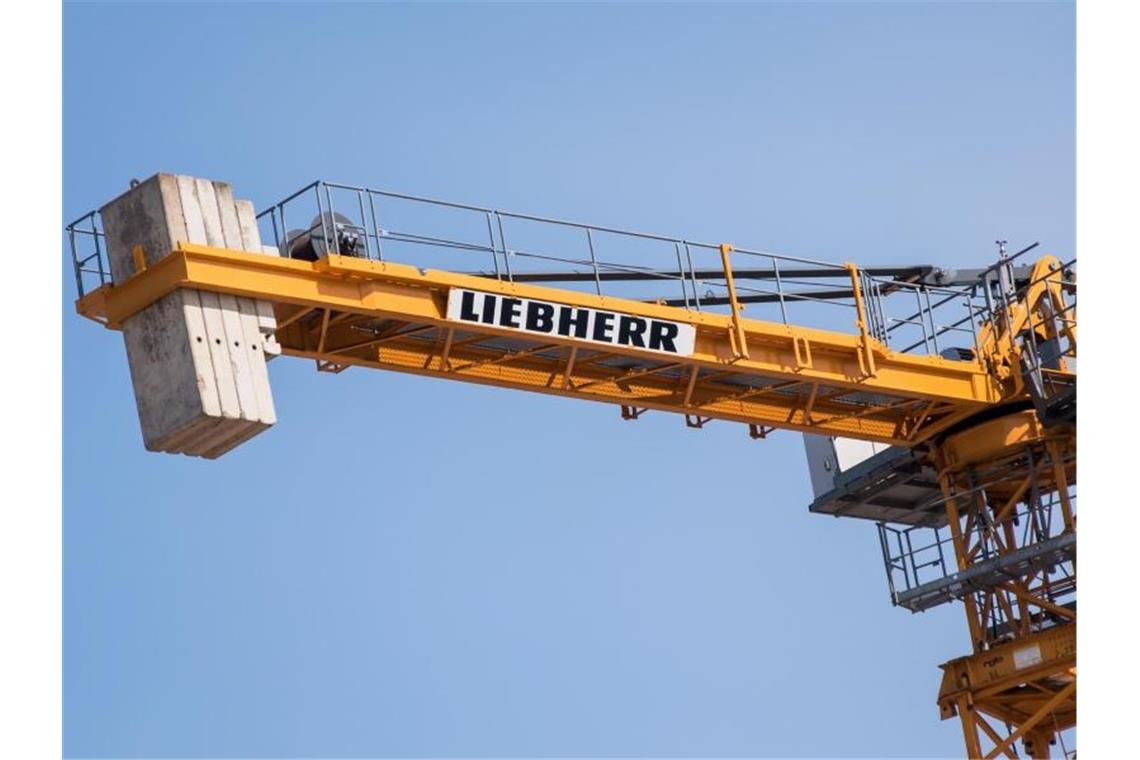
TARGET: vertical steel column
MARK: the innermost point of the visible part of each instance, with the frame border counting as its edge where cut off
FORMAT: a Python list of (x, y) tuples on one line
[(76, 267), (780, 290), (737, 325), (285, 230), (882, 314), (494, 253), (320, 216), (363, 223), (921, 321), (375, 225), (961, 553), (506, 253), (276, 232), (332, 221), (973, 326), (104, 276), (887, 564), (861, 321), (693, 276), (680, 273), (913, 563), (594, 260), (930, 314), (1061, 480)]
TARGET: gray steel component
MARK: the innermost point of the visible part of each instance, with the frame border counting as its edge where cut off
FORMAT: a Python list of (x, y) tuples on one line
[(894, 485), (1050, 552)]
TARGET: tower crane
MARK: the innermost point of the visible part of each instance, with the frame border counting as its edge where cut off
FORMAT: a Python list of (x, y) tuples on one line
[(939, 404)]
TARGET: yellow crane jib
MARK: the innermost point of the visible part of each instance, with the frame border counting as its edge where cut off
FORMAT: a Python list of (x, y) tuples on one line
[(350, 310), (949, 408)]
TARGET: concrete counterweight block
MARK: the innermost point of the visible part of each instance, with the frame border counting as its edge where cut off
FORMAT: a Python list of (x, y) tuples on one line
[(197, 358)]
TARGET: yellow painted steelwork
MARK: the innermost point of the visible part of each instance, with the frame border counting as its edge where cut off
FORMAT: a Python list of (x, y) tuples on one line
[(794, 378), (989, 441), (1040, 309), (1023, 675), (970, 419), (738, 336), (1029, 683)]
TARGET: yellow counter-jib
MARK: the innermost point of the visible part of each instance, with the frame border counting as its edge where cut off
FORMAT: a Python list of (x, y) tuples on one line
[(896, 433)]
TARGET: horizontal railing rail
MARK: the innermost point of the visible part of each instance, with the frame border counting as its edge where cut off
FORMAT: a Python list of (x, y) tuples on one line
[(383, 225), (613, 261)]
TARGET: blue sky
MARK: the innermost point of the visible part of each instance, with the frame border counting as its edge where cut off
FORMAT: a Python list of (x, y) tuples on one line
[(368, 578)]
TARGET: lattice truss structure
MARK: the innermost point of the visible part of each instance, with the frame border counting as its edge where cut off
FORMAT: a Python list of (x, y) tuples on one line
[(969, 376)]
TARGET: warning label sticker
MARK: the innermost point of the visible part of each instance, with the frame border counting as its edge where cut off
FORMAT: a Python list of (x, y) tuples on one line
[(1027, 658)]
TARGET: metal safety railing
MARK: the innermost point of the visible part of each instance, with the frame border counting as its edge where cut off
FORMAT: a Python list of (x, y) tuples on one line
[(329, 217), (921, 565), (519, 247), (88, 253), (901, 306), (914, 556), (1044, 358)]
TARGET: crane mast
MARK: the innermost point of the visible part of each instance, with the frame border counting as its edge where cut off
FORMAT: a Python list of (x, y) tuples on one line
[(968, 390)]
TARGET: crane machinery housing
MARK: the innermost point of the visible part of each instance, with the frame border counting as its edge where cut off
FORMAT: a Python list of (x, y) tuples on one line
[(939, 404)]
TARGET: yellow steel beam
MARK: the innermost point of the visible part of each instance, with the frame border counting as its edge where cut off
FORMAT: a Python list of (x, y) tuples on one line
[(737, 337), (1042, 712), (418, 298), (988, 676), (647, 391)]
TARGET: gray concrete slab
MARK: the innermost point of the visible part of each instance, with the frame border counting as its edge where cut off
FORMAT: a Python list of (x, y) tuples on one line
[(197, 359)]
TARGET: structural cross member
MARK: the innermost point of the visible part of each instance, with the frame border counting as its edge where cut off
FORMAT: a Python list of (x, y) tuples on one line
[(981, 406)]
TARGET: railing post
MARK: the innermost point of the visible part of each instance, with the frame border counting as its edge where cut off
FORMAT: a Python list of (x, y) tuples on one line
[(103, 276), (503, 242), (681, 274), (884, 545), (320, 218), (363, 224), (375, 226), (494, 251), (283, 248), (861, 320), (933, 325), (594, 260), (693, 276), (741, 349), (780, 290), (75, 262), (332, 223)]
